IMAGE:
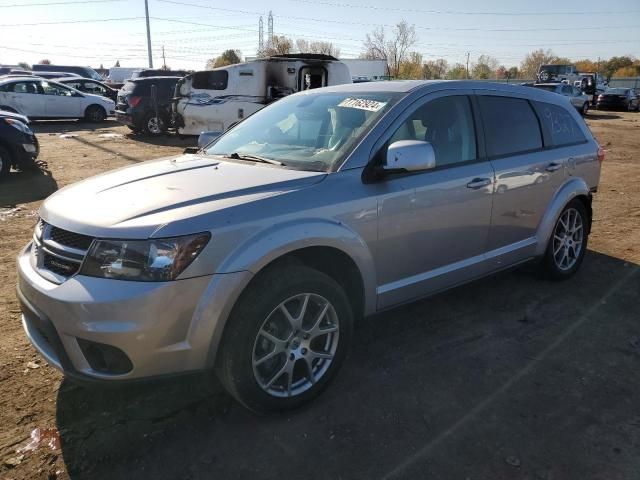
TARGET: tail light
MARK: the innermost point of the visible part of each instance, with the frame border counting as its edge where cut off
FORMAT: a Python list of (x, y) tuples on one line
[(134, 101), (600, 154)]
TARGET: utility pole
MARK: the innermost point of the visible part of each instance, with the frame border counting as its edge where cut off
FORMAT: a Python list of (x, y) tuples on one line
[(468, 65), (146, 11), (164, 60)]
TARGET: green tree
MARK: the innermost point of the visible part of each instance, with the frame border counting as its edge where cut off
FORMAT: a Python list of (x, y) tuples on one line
[(616, 63), (457, 72), (484, 67), (24, 65)]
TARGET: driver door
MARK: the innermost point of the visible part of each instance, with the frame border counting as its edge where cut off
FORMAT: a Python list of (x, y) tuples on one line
[(61, 101), (433, 225)]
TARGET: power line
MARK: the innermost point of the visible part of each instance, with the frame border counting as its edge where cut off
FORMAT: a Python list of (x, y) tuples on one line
[(57, 3), (462, 12), (97, 20)]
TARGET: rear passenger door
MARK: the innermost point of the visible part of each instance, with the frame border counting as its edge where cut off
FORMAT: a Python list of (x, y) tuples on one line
[(26, 98), (527, 175)]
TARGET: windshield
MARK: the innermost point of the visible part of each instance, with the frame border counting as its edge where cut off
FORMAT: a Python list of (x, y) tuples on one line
[(313, 131)]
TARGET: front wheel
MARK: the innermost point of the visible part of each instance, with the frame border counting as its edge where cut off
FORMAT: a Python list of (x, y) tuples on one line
[(585, 109), (286, 338), (568, 242), (95, 113)]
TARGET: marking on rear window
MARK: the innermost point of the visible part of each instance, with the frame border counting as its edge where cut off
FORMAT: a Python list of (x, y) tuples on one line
[(362, 104)]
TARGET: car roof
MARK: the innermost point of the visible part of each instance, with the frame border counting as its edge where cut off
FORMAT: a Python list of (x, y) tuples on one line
[(149, 79), (18, 79)]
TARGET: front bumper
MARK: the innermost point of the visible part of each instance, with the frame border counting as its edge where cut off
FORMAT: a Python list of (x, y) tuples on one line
[(163, 328)]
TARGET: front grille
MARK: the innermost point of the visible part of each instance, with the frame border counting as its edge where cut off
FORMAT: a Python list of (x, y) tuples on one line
[(57, 253), (70, 239), (62, 267)]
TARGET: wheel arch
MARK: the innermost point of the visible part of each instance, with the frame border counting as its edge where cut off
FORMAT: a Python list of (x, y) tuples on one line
[(574, 188)]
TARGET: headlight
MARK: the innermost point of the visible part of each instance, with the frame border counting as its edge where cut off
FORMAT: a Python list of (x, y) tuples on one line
[(18, 124), (156, 260)]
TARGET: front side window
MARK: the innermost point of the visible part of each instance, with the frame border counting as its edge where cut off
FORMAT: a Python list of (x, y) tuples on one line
[(211, 80), (58, 90), (510, 125), (447, 124), (560, 124), (306, 131), (94, 88)]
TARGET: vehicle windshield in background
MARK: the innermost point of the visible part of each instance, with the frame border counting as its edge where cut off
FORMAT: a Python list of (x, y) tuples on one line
[(554, 69), (310, 132), (616, 91), (550, 88)]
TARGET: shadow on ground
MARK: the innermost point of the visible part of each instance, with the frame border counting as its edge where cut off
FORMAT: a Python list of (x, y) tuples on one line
[(166, 139), (598, 115), (61, 126), (27, 186), (508, 377)]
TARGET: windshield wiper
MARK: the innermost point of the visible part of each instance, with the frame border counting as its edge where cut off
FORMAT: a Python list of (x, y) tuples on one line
[(254, 158)]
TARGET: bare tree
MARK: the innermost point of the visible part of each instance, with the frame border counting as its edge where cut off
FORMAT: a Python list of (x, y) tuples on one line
[(45, 61), (393, 50), (435, 69), (531, 62), (279, 45), (326, 48), (484, 67)]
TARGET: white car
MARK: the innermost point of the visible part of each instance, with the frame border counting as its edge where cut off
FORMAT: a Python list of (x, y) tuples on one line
[(37, 98), (578, 99)]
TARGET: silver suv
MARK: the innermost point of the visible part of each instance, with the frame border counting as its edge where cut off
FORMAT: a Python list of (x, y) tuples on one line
[(254, 256)]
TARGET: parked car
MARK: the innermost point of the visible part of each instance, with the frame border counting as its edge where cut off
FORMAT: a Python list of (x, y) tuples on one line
[(578, 99), (18, 145), (56, 75), (255, 256), (87, 85), (136, 106), (619, 99), (84, 72), (219, 98), (157, 72), (39, 99)]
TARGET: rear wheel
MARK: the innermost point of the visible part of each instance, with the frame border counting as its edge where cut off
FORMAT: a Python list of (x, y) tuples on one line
[(95, 113), (153, 125), (286, 338), (568, 242), (5, 162)]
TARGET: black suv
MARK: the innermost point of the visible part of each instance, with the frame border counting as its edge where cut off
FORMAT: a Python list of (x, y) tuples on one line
[(18, 145), (144, 104)]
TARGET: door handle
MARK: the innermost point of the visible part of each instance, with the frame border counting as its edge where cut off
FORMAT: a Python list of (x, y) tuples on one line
[(479, 183), (553, 166)]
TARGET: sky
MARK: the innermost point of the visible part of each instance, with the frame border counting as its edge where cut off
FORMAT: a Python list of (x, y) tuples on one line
[(101, 32)]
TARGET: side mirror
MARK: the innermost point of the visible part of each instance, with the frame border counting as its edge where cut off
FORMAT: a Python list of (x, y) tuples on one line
[(206, 138), (410, 156)]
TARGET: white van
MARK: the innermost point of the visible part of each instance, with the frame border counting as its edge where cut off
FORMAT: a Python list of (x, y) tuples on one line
[(214, 100)]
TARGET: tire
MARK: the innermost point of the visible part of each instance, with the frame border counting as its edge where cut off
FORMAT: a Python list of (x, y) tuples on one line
[(585, 109), (134, 129), (95, 113), (561, 261), (154, 126), (5, 162), (544, 76), (248, 365)]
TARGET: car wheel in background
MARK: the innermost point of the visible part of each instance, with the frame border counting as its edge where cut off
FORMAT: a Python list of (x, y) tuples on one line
[(544, 76), (154, 125), (95, 113), (5, 162), (286, 338), (568, 242), (585, 108)]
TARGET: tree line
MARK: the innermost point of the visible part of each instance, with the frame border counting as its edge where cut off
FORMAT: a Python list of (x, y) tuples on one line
[(396, 48)]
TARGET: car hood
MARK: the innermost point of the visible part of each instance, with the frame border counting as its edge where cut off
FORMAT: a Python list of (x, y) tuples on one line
[(134, 202), (17, 116)]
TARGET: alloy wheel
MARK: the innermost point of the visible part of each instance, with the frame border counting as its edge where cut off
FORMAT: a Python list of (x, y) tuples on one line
[(568, 239), (295, 345), (154, 125)]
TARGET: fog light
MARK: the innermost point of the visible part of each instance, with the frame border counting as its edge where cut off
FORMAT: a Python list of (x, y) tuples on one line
[(105, 358)]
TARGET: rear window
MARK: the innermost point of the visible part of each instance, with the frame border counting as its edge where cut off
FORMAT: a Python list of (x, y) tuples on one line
[(212, 80), (510, 124), (560, 124)]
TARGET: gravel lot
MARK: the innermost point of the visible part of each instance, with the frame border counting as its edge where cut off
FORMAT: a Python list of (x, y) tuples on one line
[(511, 377)]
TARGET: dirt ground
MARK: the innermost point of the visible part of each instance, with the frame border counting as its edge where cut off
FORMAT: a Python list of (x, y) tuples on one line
[(511, 377)]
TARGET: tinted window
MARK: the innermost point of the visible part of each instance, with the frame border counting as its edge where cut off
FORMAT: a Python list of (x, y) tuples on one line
[(567, 90), (510, 125), (213, 80), (59, 90), (560, 124), (446, 123)]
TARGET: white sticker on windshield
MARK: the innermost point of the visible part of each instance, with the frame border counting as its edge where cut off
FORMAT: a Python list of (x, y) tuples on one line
[(362, 104)]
